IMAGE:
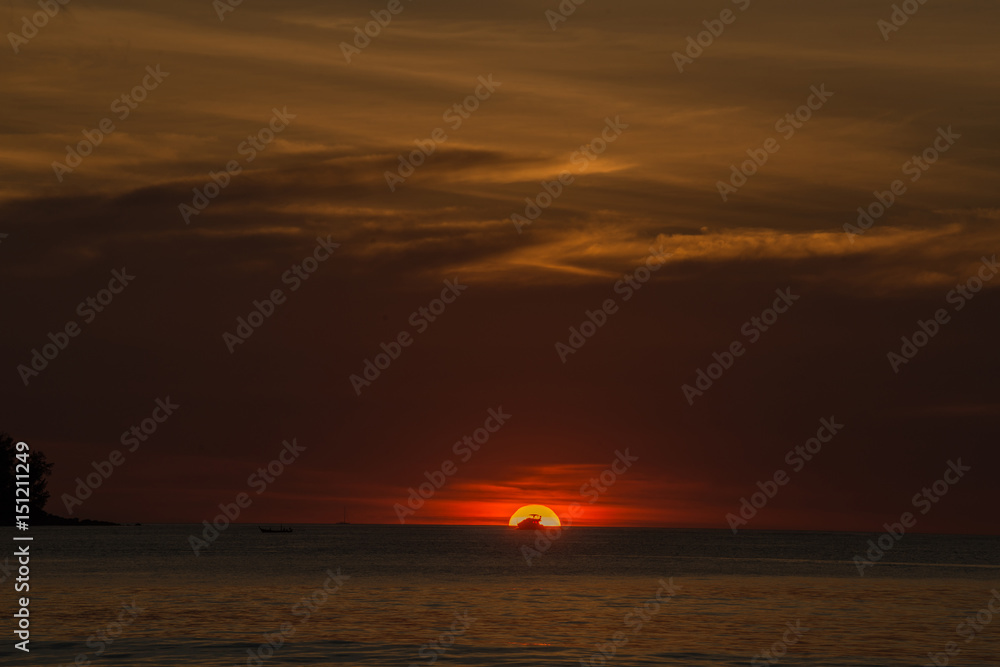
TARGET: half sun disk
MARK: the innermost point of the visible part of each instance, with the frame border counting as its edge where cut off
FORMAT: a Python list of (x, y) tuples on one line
[(549, 518)]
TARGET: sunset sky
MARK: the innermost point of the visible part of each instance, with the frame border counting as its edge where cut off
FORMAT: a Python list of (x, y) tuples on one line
[(653, 190)]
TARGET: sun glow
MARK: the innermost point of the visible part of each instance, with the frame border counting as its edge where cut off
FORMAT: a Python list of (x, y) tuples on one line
[(549, 518)]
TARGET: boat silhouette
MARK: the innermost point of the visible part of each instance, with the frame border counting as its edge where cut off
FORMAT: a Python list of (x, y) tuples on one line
[(272, 529), (532, 522)]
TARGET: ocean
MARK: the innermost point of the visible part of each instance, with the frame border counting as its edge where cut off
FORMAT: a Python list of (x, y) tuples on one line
[(466, 595)]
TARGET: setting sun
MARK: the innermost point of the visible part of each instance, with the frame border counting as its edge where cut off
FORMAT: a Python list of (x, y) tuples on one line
[(549, 518)]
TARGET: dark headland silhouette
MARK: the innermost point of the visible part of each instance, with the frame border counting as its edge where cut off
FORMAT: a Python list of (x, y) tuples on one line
[(38, 492)]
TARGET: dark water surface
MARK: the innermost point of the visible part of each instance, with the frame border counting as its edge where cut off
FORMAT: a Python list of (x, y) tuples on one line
[(380, 595)]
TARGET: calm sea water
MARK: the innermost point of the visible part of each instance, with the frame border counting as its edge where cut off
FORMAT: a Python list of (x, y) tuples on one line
[(470, 589)]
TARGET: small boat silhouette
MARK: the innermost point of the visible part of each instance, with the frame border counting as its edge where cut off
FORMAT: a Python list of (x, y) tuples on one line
[(279, 529), (533, 522)]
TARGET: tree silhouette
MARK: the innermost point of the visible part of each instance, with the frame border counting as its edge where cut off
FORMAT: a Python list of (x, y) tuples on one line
[(38, 489)]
